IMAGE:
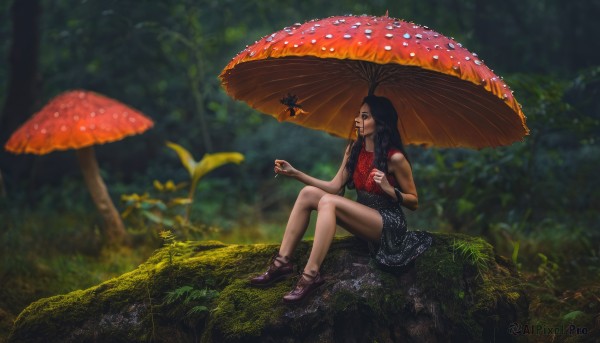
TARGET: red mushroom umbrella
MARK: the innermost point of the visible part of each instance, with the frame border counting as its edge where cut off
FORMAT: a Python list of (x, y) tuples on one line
[(316, 74), (79, 119)]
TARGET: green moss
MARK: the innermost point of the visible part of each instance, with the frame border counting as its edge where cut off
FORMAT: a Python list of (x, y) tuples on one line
[(467, 294), (55, 315), (469, 291), (345, 301), (205, 265), (243, 311)]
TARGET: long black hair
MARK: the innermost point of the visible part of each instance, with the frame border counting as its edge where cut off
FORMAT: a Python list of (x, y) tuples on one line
[(386, 136)]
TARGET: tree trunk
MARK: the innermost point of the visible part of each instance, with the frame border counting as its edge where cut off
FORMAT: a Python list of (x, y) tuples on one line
[(2, 187), (23, 81), (114, 230)]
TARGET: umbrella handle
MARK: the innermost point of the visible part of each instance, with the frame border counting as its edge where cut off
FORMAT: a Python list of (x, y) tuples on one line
[(372, 87)]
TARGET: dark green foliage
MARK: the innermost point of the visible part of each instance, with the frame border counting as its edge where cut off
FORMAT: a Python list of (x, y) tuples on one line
[(164, 60)]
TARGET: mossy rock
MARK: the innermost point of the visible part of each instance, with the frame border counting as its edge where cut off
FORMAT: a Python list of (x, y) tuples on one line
[(458, 290)]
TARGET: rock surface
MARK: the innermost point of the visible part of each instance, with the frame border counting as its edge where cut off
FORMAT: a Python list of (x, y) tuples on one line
[(198, 291)]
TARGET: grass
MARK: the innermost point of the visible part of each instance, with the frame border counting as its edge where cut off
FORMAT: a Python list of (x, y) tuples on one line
[(44, 254), (476, 253)]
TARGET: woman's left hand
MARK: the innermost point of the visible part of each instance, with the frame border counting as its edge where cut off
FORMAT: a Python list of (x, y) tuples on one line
[(380, 178)]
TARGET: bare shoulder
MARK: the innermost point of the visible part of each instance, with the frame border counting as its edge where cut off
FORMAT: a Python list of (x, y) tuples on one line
[(399, 163), (397, 158)]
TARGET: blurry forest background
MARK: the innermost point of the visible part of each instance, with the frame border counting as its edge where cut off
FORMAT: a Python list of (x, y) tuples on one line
[(536, 201)]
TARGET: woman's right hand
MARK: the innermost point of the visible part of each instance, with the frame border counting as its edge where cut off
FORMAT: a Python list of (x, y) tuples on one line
[(285, 168)]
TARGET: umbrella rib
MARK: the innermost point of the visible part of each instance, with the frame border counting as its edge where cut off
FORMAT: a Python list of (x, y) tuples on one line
[(457, 113), (446, 87), (415, 115), (422, 100), (475, 107)]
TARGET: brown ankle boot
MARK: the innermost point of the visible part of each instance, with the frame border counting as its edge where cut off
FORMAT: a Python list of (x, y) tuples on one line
[(274, 273), (306, 284)]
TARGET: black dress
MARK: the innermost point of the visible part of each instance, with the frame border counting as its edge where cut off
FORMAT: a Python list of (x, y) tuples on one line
[(397, 247)]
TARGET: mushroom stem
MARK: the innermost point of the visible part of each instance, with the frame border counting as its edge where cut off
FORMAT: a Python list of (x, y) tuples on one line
[(114, 230)]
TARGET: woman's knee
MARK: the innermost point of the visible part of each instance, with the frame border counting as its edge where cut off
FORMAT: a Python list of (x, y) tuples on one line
[(310, 195), (327, 201)]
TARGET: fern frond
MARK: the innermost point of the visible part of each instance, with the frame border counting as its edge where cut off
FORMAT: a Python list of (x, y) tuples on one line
[(197, 310), (178, 293)]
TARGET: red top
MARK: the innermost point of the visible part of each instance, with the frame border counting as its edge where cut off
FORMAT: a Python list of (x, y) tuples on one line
[(362, 179)]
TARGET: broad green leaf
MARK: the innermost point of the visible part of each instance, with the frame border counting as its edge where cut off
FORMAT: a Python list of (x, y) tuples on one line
[(127, 212), (186, 158), (465, 206), (212, 161), (180, 201), (170, 185), (152, 203), (543, 257), (130, 197), (515, 253), (157, 219), (158, 186), (571, 316)]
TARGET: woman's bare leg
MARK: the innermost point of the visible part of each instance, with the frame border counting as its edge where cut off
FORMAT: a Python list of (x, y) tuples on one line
[(307, 201), (358, 219)]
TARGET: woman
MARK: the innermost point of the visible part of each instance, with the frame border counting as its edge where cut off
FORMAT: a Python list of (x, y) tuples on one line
[(377, 166)]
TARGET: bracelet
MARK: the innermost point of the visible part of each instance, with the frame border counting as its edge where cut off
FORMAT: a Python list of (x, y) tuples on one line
[(399, 197)]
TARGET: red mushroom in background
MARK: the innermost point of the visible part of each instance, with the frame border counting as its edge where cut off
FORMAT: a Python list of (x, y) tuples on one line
[(78, 120), (316, 74)]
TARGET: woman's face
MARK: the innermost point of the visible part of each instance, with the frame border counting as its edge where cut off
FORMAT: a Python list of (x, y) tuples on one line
[(364, 121)]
